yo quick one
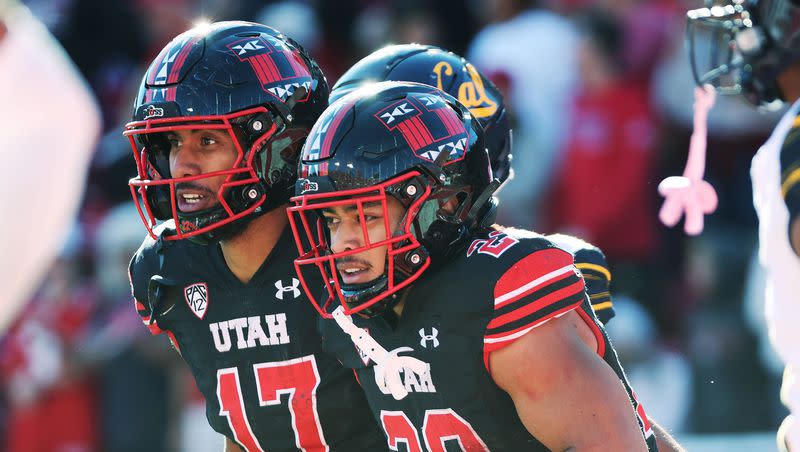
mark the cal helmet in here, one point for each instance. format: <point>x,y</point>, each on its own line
<point>741,47</point>
<point>404,140</point>
<point>246,79</point>
<point>449,72</point>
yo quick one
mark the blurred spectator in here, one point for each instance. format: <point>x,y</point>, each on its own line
<point>132,366</point>
<point>299,20</point>
<point>649,27</point>
<point>106,59</point>
<point>530,53</point>
<point>602,190</point>
<point>46,383</point>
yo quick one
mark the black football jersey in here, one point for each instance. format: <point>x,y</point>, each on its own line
<point>254,349</point>
<point>503,285</point>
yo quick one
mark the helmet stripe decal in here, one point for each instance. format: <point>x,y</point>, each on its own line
<point>175,71</point>
<point>326,144</point>
<point>448,117</point>
<point>409,135</point>
<point>297,64</point>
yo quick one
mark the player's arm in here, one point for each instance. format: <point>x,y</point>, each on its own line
<point>790,182</point>
<point>564,393</point>
<point>592,263</point>
<point>147,294</point>
<point>231,446</point>
<point>665,441</point>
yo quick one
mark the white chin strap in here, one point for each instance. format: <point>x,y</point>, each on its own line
<point>387,364</point>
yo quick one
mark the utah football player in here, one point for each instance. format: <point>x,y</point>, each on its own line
<point>219,120</point>
<point>456,76</point>
<point>500,347</point>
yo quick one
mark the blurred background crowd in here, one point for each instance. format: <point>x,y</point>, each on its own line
<point>601,92</point>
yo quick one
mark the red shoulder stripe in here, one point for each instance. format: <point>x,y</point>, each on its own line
<point>532,272</point>
<point>538,304</point>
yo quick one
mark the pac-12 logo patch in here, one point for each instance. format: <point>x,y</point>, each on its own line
<point>197,298</point>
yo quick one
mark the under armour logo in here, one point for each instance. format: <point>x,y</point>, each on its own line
<point>251,45</point>
<point>429,337</point>
<point>294,288</point>
<point>400,110</point>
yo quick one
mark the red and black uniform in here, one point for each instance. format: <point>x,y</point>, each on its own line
<point>254,349</point>
<point>502,286</point>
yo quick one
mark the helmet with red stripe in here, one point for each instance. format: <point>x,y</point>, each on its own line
<point>388,147</point>
<point>251,83</point>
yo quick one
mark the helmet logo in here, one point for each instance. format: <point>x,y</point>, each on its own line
<point>280,70</point>
<point>251,45</point>
<point>153,112</point>
<point>400,110</point>
<point>429,129</point>
<point>472,94</point>
<point>306,186</point>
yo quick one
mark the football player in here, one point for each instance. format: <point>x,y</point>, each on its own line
<point>752,48</point>
<point>455,75</point>
<point>218,124</point>
<point>501,349</point>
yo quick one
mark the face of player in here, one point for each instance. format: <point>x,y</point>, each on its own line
<point>346,234</point>
<point>195,152</point>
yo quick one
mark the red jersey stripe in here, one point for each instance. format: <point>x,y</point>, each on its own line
<point>496,343</point>
<point>537,305</point>
<point>532,286</point>
<point>534,269</point>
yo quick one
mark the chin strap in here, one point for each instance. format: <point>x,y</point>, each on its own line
<point>689,194</point>
<point>388,364</point>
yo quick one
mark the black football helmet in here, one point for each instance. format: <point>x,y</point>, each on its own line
<point>406,140</point>
<point>741,47</point>
<point>452,74</point>
<point>247,79</point>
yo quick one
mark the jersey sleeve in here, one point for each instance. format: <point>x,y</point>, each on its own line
<point>541,285</point>
<point>139,271</point>
<point>790,169</point>
<point>592,263</point>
